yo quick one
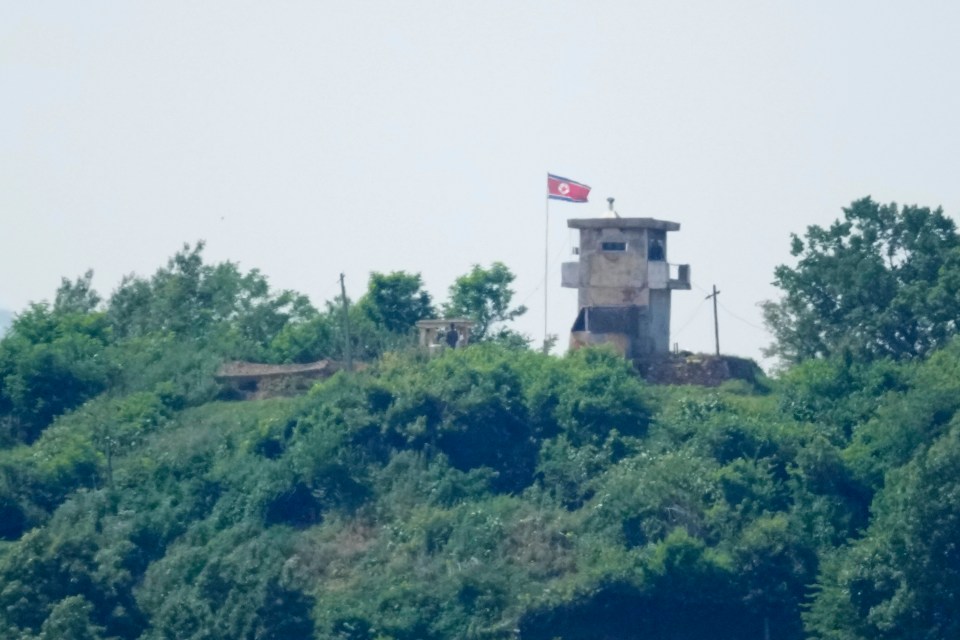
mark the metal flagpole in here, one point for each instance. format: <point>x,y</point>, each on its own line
<point>546,261</point>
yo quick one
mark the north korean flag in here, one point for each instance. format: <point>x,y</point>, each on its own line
<point>563,189</point>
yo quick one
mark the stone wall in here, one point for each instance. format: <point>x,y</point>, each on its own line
<point>699,369</point>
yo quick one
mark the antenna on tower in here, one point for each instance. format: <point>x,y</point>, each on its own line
<point>610,205</point>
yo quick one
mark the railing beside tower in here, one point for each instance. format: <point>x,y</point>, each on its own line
<point>679,276</point>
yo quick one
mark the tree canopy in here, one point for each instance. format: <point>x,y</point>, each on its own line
<point>490,492</point>
<point>396,301</point>
<point>882,282</point>
<point>190,315</point>
<point>484,296</point>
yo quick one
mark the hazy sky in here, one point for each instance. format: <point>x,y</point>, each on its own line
<point>312,138</point>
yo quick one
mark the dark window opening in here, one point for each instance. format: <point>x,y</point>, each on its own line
<point>656,250</point>
<point>613,246</point>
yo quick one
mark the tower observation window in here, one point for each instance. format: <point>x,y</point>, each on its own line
<point>613,246</point>
<point>656,250</point>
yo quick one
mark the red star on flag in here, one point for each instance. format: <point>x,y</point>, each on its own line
<point>564,189</point>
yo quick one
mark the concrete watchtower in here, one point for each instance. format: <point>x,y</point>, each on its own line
<point>624,283</point>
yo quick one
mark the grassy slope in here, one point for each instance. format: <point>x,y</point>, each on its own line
<point>374,507</point>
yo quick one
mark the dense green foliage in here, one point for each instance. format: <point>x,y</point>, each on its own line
<point>489,492</point>
<point>484,295</point>
<point>884,282</point>
<point>396,301</point>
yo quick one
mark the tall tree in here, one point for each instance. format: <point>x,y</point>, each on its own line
<point>883,282</point>
<point>396,300</point>
<point>50,362</point>
<point>211,304</point>
<point>484,296</point>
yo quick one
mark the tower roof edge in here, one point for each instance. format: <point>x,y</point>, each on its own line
<point>623,223</point>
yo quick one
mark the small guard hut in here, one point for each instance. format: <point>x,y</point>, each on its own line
<point>624,283</point>
<point>440,333</point>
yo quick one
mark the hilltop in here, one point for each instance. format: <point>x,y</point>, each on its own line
<point>485,492</point>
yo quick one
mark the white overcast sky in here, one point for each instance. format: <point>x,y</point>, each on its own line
<point>308,139</point>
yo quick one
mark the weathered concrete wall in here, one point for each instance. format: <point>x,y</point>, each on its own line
<point>658,275</point>
<point>660,321</point>
<point>252,380</point>
<point>613,277</point>
<point>630,273</point>
<point>699,369</point>
<point>570,275</point>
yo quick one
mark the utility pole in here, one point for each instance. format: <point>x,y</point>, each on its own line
<point>716,325</point>
<point>346,325</point>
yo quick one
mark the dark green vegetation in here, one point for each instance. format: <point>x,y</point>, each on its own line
<point>492,492</point>
<point>882,283</point>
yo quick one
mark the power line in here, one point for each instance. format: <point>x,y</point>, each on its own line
<point>531,293</point>
<point>543,281</point>
<point>731,313</point>
<point>690,319</point>
<point>699,287</point>
<point>746,322</point>
<point>331,289</point>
